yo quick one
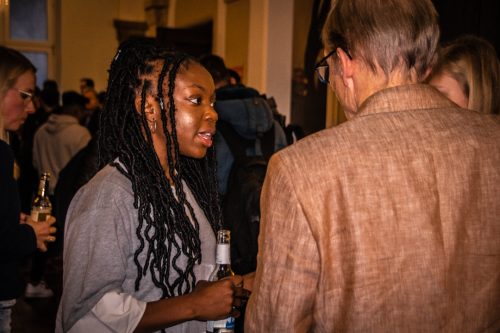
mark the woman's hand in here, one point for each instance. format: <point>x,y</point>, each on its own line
<point>43,231</point>
<point>208,301</point>
<point>216,300</point>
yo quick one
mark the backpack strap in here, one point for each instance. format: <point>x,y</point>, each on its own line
<point>237,144</point>
<point>267,143</point>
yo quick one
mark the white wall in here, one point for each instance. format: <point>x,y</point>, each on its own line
<point>271,50</point>
<point>280,55</point>
<point>131,10</point>
<point>190,12</point>
<point>236,37</point>
<point>88,38</point>
<point>257,44</point>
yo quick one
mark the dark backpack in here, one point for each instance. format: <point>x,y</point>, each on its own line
<point>241,204</point>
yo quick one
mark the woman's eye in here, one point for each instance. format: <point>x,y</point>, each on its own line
<point>195,100</point>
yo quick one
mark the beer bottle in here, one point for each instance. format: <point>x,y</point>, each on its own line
<point>222,270</point>
<point>41,207</point>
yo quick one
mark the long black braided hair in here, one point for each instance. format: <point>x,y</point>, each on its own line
<point>167,227</point>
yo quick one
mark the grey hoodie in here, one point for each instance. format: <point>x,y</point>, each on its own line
<point>56,142</point>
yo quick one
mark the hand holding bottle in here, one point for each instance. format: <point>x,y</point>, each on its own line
<point>215,300</point>
<point>41,207</point>
<point>44,231</point>
<point>40,219</point>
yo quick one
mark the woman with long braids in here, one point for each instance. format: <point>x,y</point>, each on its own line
<point>140,236</point>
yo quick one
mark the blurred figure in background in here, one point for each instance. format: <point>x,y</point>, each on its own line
<point>87,89</point>
<point>93,121</point>
<point>49,98</point>
<point>61,137</point>
<point>468,73</point>
<point>55,143</point>
<point>78,171</point>
<point>19,235</point>
<point>234,77</point>
<point>245,111</point>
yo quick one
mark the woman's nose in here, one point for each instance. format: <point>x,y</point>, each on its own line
<point>211,115</point>
<point>30,107</point>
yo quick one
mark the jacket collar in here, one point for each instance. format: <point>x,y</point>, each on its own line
<point>404,98</point>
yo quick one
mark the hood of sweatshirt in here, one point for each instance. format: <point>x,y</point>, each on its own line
<point>248,113</point>
<point>58,122</point>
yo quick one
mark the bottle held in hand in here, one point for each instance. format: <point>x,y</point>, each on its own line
<point>42,207</point>
<point>222,270</point>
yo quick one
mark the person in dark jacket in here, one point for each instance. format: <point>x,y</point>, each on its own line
<point>242,108</point>
<point>19,235</point>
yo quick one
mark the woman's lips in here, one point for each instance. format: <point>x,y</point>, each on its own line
<point>206,139</point>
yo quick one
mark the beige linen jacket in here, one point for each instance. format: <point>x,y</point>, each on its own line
<point>389,222</point>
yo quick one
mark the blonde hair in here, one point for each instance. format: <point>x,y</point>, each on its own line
<point>12,65</point>
<point>3,134</point>
<point>473,63</point>
<point>389,34</point>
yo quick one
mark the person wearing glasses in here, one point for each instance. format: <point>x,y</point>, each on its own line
<point>19,235</point>
<point>388,222</point>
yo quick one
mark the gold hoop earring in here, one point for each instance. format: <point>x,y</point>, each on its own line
<point>152,125</point>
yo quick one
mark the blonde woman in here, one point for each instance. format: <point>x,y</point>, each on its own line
<point>19,235</point>
<point>468,73</point>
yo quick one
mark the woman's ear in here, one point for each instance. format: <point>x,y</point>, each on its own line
<point>151,110</point>
<point>149,103</point>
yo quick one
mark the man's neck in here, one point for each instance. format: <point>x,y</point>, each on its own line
<point>369,83</point>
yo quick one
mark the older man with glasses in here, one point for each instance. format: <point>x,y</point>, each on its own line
<point>389,222</point>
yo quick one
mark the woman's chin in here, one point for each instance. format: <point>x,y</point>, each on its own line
<point>196,155</point>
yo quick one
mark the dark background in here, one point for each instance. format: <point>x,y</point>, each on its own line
<point>478,17</point>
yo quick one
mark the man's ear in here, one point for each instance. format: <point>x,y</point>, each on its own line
<point>426,76</point>
<point>346,66</point>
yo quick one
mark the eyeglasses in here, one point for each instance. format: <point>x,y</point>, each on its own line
<point>322,69</point>
<point>26,96</point>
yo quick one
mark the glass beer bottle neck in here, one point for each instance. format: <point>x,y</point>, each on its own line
<point>43,186</point>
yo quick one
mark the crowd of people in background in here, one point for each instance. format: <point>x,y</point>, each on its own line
<point>384,223</point>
